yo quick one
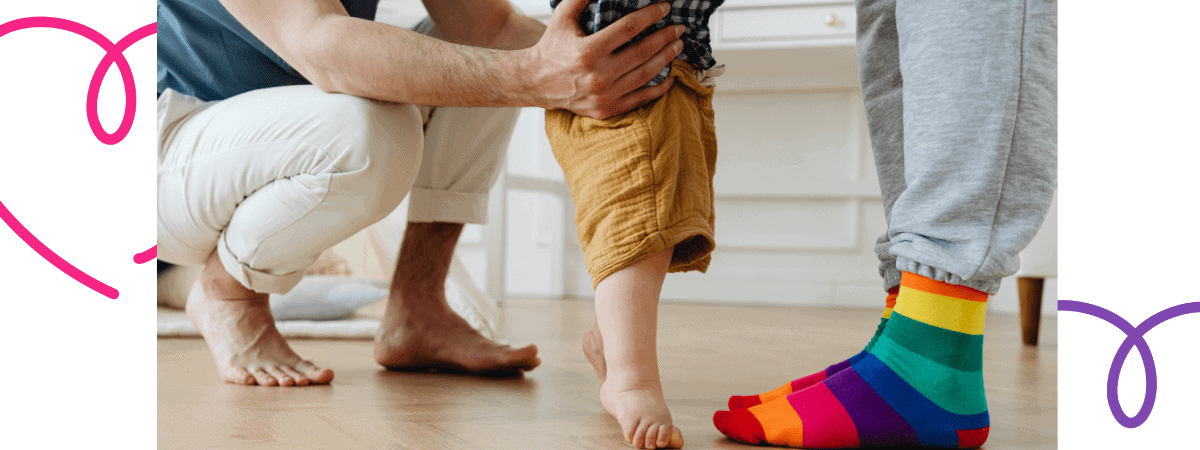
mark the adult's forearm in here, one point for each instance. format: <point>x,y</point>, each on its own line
<point>563,70</point>
<point>383,62</point>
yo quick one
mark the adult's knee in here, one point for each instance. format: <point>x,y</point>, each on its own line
<point>382,150</point>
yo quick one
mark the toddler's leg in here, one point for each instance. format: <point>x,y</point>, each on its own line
<point>627,318</point>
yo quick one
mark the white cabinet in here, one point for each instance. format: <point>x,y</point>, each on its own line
<point>758,26</point>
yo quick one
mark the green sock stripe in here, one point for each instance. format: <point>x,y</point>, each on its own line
<point>956,391</point>
<point>946,347</point>
<point>878,332</point>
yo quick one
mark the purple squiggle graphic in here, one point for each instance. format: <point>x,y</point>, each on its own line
<point>1134,336</point>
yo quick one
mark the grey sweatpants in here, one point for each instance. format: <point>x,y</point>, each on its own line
<point>961,101</point>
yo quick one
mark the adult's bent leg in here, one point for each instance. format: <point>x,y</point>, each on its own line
<point>262,183</point>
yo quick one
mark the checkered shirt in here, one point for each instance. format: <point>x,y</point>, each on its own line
<point>692,13</point>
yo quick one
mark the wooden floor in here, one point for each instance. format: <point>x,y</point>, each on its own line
<point>706,354</point>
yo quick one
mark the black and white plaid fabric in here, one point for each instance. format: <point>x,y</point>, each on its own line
<point>692,13</point>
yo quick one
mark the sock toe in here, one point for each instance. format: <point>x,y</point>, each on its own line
<point>740,425</point>
<point>743,401</point>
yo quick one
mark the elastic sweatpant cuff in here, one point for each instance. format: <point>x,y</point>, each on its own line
<point>990,286</point>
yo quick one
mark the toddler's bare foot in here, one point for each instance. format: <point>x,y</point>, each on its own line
<point>240,331</point>
<point>593,349</point>
<point>643,415</point>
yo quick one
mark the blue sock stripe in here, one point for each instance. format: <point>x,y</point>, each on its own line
<point>934,426</point>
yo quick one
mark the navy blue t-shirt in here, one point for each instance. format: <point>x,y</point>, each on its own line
<point>204,52</point>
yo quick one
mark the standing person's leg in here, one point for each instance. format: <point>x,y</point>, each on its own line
<point>882,85</point>
<point>254,188</point>
<point>980,124</point>
<point>879,72</point>
<point>979,165</point>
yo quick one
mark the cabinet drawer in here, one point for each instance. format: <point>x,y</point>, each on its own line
<point>787,23</point>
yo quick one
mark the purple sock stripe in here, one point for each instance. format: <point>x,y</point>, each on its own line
<point>877,423</point>
<point>831,370</point>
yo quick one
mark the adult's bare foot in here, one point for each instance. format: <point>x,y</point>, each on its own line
<point>240,331</point>
<point>442,340</point>
<point>593,349</point>
<point>419,330</point>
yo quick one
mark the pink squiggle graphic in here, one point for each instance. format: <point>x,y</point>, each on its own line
<point>114,53</point>
<point>53,258</point>
<point>146,256</point>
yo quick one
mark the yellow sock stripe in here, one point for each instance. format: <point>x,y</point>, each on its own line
<point>951,313</point>
<point>890,302</point>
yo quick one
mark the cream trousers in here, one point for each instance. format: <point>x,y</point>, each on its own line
<point>273,177</point>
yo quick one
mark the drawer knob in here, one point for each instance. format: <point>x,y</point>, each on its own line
<point>831,20</point>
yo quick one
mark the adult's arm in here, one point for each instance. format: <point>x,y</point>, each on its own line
<point>563,69</point>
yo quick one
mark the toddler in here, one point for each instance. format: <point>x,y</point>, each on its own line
<point>642,185</point>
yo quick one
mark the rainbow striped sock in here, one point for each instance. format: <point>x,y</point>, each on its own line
<point>746,401</point>
<point>921,383</point>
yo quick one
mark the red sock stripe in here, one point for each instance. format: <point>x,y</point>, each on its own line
<point>972,438</point>
<point>740,425</point>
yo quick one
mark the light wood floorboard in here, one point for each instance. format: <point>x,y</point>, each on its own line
<point>706,353</point>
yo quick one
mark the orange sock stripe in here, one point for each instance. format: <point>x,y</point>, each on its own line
<point>914,281</point>
<point>778,392</point>
<point>890,302</point>
<point>780,423</point>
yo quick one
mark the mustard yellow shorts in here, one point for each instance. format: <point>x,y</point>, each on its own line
<point>642,181</point>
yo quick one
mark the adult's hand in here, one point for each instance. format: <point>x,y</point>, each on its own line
<point>587,75</point>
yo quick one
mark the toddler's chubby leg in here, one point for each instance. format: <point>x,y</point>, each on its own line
<point>642,186</point>
<point>626,357</point>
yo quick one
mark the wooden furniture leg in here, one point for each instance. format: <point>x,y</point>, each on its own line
<point>1029,289</point>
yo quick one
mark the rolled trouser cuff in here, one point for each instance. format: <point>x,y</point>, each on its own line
<point>428,205</point>
<point>255,280</point>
